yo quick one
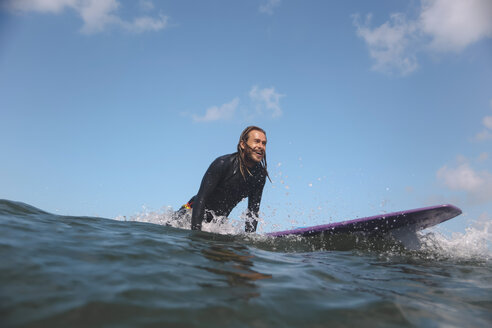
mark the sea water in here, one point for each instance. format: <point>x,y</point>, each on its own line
<point>61,271</point>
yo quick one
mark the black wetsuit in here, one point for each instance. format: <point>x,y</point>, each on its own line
<point>223,187</point>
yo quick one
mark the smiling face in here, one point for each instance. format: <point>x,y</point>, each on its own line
<point>254,147</point>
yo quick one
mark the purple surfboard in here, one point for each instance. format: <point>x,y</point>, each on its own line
<point>411,220</point>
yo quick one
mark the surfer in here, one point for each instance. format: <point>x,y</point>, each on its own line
<point>231,178</point>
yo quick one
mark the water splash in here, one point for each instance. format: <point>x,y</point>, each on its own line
<point>474,244</point>
<point>168,217</point>
<point>165,216</point>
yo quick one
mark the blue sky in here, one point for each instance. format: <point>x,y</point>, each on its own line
<point>369,106</point>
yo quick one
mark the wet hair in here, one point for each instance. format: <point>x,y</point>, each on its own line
<point>244,138</point>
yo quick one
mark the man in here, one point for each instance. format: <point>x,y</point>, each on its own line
<point>231,178</point>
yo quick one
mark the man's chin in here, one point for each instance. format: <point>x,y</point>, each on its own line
<point>257,159</point>
<point>253,160</point>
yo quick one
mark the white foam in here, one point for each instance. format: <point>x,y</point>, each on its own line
<point>474,244</point>
<point>163,217</point>
<point>166,216</point>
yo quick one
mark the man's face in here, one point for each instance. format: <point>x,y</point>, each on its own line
<point>255,147</point>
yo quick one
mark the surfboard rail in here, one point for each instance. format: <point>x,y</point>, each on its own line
<point>415,219</point>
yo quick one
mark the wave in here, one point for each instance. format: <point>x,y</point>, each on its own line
<point>474,244</point>
<point>75,271</point>
<point>9,207</point>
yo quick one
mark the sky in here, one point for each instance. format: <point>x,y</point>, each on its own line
<point>113,108</point>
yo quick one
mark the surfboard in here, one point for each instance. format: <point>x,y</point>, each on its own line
<point>409,221</point>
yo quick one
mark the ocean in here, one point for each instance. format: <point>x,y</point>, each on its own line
<point>66,271</point>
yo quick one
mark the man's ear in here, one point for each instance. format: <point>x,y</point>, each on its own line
<point>241,144</point>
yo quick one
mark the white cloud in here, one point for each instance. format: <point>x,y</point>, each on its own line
<point>97,15</point>
<point>486,134</point>
<point>44,6</point>
<point>483,157</point>
<point>269,6</point>
<point>145,23</point>
<point>477,184</point>
<point>487,121</point>
<point>455,24</point>
<point>224,112</point>
<point>146,5</point>
<point>389,43</point>
<point>442,25</point>
<point>264,102</point>
<point>461,178</point>
<point>267,98</point>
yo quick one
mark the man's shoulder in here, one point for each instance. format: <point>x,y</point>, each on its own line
<point>226,159</point>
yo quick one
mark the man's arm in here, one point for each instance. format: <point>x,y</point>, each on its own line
<point>209,182</point>
<point>254,201</point>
